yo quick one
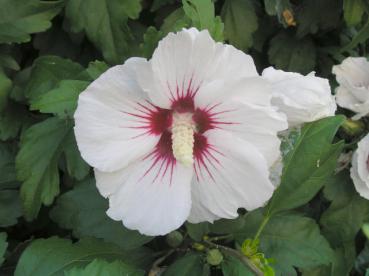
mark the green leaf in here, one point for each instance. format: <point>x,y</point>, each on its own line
<point>5,88</point>
<point>47,72</point>
<point>37,163</point>
<point>233,267</point>
<point>290,239</point>
<point>341,266</point>
<point>100,267</point>
<point>10,205</point>
<point>3,246</point>
<point>290,54</point>
<point>313,15</point>
<point>12,120</point>
<point>8,62</point>
<point>197,231</point>
<point>7,167</point>
<point>73,211</point>
<point>240,22</point>
<point>175,22</point>
<point>202,15</point>
<point>24,17</point>
<point>96,68</point>
<point>159,3</point>
<point>353,11</point>
<point>347,213</point>
<point>61,101</point>
<point>151,39</point>
<point>76,166</point>
<point>308,165</point>
<point>54,255</point>
<point>107,29</point>
<point>190,264</point>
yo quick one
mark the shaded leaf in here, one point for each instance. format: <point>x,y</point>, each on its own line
<point>290,239</point>
<point>76,166</point>
<point>234,267</point>
<point>3,246</point>
<point>240,22</point>
<point>5,88</point>
<point>37,163</point>
<point>10,205</point>
<point>73,211</point>
<point>12,120</point>
<point>347,212</point>
<point>24,17</point>
<point>290,54</point>
<point>313,15</point>
<point>100,267</point>
<point>190,264</point>
<point>107,29</point>
<point>47,72</point>
<point>38,260</point>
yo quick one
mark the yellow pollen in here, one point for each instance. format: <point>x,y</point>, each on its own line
<point>183,138</point>
<point>288,17</point>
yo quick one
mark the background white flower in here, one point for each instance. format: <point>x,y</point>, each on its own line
<point>360,167</point>
<point>189,134</point>
<point>353,91</point>
<point>302,98</point>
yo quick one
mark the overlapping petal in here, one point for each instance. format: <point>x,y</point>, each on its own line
<point>148,196</point>
<point>353,91</point>
<point>188,60</point>
<point>109,137</point>
<point>359,171</point>
<point>233,174</point>
<point>302,98</point>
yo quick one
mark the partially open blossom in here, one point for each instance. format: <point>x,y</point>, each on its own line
<point>302,98</point>
<point>353,91</point>
<point>187,135</point>
<point>360,167</point>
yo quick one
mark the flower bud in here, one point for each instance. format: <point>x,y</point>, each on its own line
<point>174,239</point>
<point>352,127</point>
<point>214,257</point>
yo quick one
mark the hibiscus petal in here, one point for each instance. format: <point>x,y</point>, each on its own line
<point>110,127</point>
<point>230,175</point>
<point>185,61</point>
<point>253,90</point>
<point>361,186</point>
<point>151,197</point>
<point>256,124</point>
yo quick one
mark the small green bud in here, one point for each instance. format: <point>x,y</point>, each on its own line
<point>352,127</point>
<point>250,247</point>
<point>365,229</point>
<point>214,257</point>
<point>174,239</point>
<point>198,246</point>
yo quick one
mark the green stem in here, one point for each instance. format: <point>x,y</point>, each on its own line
<point>262,225</point>
<point>225,237</point>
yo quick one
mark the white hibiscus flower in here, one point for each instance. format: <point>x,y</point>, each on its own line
<point>353,91</point>
<point>188,135</point>
<point>302,98</point>
<point>360,167</point>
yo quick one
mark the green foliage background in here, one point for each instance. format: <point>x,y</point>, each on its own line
<point>52,219</point>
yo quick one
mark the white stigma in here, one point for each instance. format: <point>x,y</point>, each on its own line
<point>183,138</point>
